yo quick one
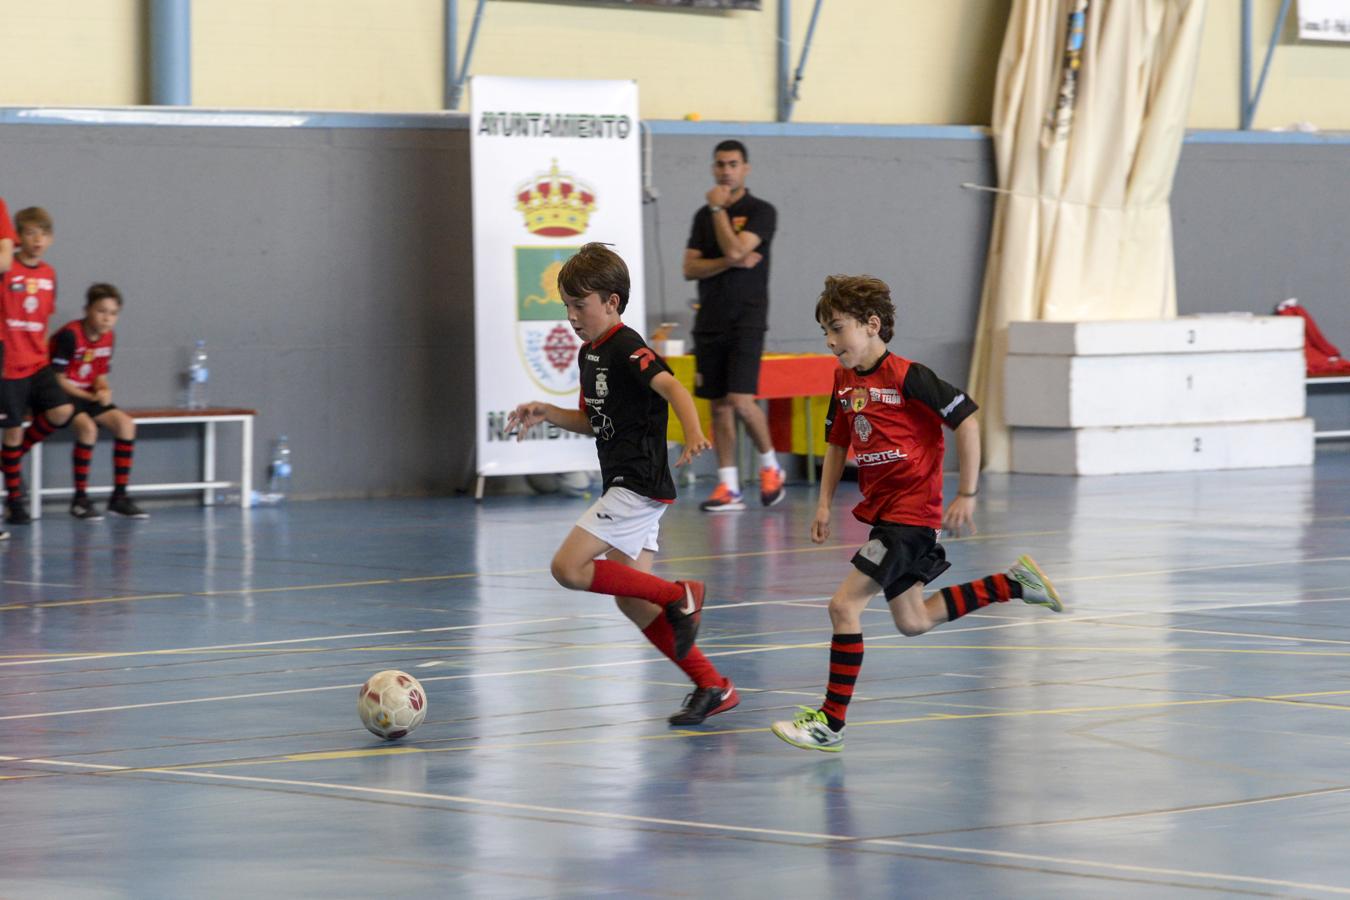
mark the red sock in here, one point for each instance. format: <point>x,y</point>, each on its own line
<point>625,581</point>
<point>697,666</point>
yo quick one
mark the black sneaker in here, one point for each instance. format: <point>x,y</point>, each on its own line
<point>16,513</point>
<point>83,508</point>
<point>684,616</point>
<point>705,702</point>
<point>125,506</point>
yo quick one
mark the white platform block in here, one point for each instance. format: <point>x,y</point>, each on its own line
<point>1167,448</point>
<point>1185,334</point>
<point>1092,391</point>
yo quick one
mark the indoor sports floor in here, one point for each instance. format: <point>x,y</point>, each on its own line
<point>177,705</point>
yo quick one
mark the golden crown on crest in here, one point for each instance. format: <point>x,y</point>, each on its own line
<point>555,204</point>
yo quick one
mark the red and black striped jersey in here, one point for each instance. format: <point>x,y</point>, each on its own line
<point>27,302</point>
<point>80,358</point>
<point>892,416</point>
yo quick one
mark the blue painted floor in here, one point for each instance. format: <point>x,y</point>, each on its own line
<point>177,705</point>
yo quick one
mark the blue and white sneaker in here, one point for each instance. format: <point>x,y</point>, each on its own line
<point>810,731</point>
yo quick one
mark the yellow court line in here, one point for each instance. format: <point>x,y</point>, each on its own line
<point>44,604</point>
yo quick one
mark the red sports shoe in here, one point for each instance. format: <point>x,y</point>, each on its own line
<point>771,488</point>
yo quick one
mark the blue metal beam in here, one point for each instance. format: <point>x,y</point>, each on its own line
<point>789,92</point>
<point>171,52</point>
<point>455,86</point>
<point>1250,99</point>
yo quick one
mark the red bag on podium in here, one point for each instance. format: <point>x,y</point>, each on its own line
<point>1323,357</point>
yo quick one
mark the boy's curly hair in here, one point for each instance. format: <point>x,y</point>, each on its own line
<point>595,268</point>
<point>859,297</point>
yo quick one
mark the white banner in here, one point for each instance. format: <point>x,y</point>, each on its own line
<point>1324,20</point>
<point>556,164</point>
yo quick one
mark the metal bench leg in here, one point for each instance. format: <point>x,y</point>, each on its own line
<point>246,462</point>
<point>209,463</point>
<point>36,471</point>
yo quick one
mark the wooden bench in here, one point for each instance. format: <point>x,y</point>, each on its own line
<point>1316,381</point>
<point>208,418</point>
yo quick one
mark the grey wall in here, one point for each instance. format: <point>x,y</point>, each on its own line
<point>330,269</point>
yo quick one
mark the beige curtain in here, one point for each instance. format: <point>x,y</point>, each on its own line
<point>1085,151</point>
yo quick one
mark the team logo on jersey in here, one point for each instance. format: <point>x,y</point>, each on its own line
<point>889,396</point>
<point>858,399</point>
<point>30,304</point>
<point>862,428</point>
<point>548,345</point>
<point>602,425</point>
<point>602,384</point>
<point>85,371</point>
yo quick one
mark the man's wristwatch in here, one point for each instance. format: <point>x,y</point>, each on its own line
<point>713,208</point>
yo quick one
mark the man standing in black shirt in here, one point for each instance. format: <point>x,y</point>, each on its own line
<point>728,255</point>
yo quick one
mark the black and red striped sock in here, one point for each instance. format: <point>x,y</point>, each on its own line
<point>968,597</point>
<point>11,459</point>
<point>37,431</point>
<point>846,656</point>
<point>122,453</point>
<point>80,458</point>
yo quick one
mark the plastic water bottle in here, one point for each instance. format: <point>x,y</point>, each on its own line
<point>279,471</point>
<point>197,374</point>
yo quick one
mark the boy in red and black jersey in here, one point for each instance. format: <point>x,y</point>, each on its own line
<point>890,412</point>
<point>81,354</point>
<point>625,393</point>
<point>8,240</point>
<point>27,301</point>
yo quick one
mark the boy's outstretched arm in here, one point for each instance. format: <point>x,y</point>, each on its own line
<point>670,390</point>
<point>831,470</point>
<point>527,415</point>
<point>960,514</point>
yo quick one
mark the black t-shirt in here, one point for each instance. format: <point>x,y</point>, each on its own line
<point>627,416</point>
<point>736,298</point>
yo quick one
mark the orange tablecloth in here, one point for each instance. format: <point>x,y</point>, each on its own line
<point>797,386</point>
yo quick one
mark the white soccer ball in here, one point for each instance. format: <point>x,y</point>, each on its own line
<point>391,704</point>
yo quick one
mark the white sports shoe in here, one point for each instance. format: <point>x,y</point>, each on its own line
<point>1036,587</point>
<point>810,731</point>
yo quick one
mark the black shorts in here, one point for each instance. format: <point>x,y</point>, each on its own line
<point>91,408</point>
<point>897,557</point>
<point>38,392</point>
<point>727,363</point>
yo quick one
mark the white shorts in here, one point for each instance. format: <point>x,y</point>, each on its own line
<point>627,521</point>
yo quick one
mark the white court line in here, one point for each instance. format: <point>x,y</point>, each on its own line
<point>711,826</point>
<point>305,640</point>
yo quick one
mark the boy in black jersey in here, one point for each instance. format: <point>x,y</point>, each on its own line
<point>625,392</point>
<point>891,412</point>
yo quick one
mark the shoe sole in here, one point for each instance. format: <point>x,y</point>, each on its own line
<point>87,518</point>
<point>725,507</point>
<point>1055,603</point>
<point>832,748</point>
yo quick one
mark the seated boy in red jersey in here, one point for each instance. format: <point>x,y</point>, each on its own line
<point>28,299</point>
<point>891,411</point>
<point>626,393</point>
<point>81,354</point>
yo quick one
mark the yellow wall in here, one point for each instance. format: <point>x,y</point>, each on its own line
<point>873,61</point>
<point>73,53</point>
<point>1307,83</point>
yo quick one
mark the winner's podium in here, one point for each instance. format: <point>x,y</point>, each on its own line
<point>1196,392</point>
